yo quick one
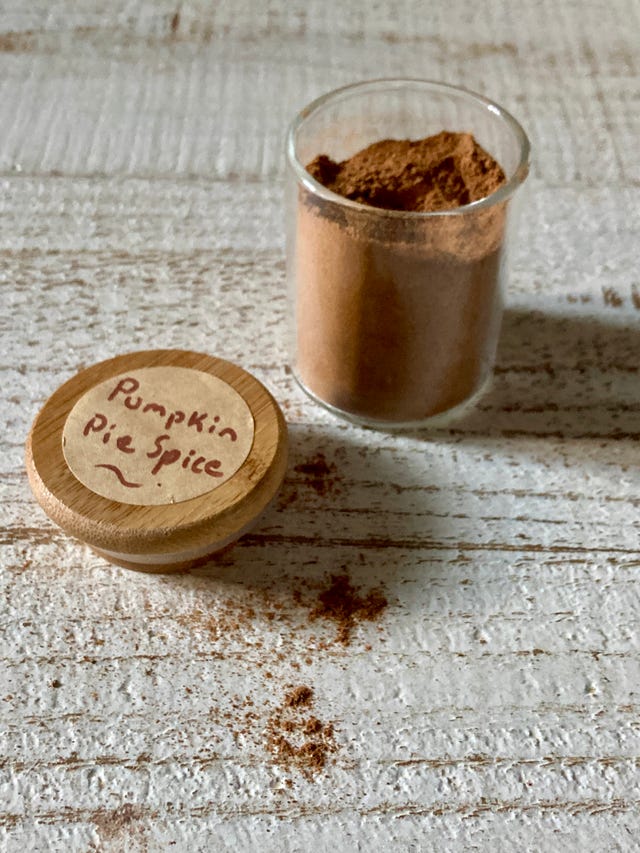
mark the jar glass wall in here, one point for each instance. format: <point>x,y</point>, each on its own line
<point>395,315</point>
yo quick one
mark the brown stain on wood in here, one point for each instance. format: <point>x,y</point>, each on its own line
<point>444,46</point>
<point>319,474</point>
<point>258,659</point>
<point>52,42</point>
<point>309,726</point>
<point>263,540</point>
<point>17,42</point>
<point>199,32</point>
<point>488,805</point>
<point>480,50</point>
<point>298,809</point>
<point>113,824</point>
<point>478,760</point>
<point>374,543</point>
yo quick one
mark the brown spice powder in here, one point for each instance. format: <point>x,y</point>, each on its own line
<point>297,697</point>
<point>343,605</point>
<point>437,173</point>
<point>296,740</point>
<point>337,601</point>
<point>319,474</point>
<point>294,736</point>
<point>397,318</point>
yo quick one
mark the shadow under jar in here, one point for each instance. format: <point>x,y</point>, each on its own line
<point>396,314</point>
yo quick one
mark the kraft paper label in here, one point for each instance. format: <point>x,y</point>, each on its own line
<point>157,435</point>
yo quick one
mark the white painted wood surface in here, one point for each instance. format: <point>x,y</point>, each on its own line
<point>497,707</point>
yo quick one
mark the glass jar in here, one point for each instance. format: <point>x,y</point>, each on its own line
<point>396,314</point>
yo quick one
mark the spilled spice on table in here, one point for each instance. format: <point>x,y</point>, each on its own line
<point>292,734</point>
<point>297,738</point>
<point>342,604</point>
<point>319,474</point>
<point>299,696</point>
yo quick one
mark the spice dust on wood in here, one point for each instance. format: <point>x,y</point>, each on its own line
<point>341,603</point>
<point>297,738</point>
<point>293,735</point>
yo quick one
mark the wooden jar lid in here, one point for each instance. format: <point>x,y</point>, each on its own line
<point>158,459</point>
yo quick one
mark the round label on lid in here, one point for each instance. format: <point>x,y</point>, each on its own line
<point>158,435</point>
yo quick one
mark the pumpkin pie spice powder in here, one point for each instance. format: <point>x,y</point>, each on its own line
<point>294,736</point>
<point>397,317</point>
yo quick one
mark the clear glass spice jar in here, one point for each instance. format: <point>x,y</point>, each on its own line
<point>395,315</point>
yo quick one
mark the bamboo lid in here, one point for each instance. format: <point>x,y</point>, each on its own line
<point>158,459</point>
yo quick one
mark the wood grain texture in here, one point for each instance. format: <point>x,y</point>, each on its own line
<point>495,705</point>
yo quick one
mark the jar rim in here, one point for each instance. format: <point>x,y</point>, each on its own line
<point>504,192</point>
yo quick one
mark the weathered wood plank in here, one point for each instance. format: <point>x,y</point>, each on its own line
<point>135,92</point>
<point>496,701</point>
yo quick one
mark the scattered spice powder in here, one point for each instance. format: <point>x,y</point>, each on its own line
<point>298,696</point>
<point>228,616</point>
<point>343,605</point>
<point>296,740</point>
<point>339,602</point>
<point>319,474</point>
<point>313,726</point>
<point>294,735</point>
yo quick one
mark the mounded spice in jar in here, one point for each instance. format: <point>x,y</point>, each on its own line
<point>437,173</point>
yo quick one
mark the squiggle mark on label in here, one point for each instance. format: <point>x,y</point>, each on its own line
<point>119,475</point>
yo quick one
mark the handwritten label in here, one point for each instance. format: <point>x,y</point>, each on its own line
<point>157,435</point>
